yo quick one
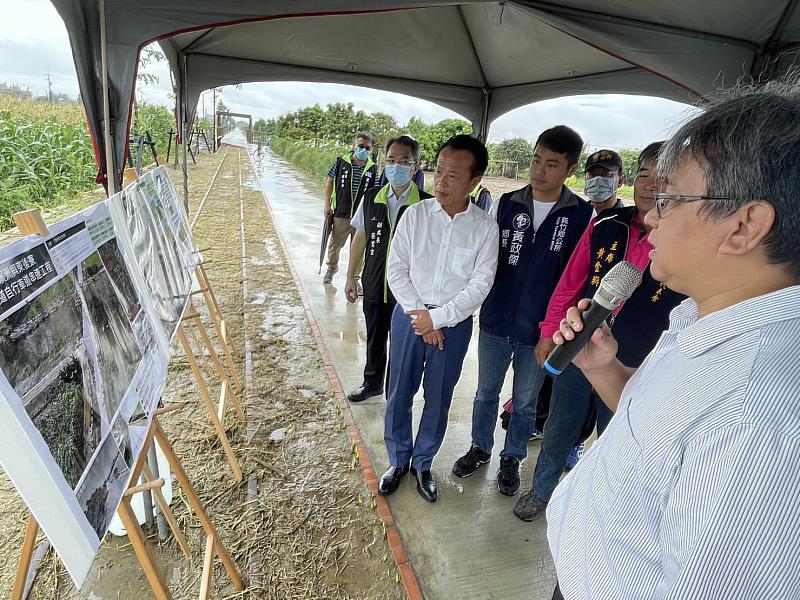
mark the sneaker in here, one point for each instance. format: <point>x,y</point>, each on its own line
<point>469,463</point>
<point>508,476</point>
<point>529,506</point>
<point>574,456</point>
<point>328,279</point>
<point>537,434</point>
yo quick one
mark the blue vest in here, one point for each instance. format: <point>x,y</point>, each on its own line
<point>530,263</point>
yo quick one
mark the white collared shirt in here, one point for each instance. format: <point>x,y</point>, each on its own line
<point>449,263</point>
<point>693,491</point>
<point>357,222</point>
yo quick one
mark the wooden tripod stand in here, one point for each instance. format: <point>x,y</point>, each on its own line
<point>214,546</point>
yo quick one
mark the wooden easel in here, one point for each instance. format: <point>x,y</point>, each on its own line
<point>196,342</point>
<point>218,321</point>
<point>214,546</point>
<point>30,222</point>
<point>191,326</point>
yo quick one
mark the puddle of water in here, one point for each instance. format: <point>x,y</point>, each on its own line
<point>260,298</point>
<point>273,252</point>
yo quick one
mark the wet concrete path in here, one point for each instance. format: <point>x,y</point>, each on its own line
<point>469,545</point>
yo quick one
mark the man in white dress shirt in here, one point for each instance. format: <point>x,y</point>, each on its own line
<point>693,491</point>
<point>441,267</point>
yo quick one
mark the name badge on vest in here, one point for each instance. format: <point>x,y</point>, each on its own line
<point>520,222</point>
<point>559,233</point>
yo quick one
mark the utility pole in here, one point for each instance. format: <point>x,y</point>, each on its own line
<point>49,89</point>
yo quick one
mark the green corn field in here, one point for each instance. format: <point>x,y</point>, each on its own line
<point>46,155</point>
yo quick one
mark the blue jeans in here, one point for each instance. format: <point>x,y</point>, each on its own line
<point>495,354</point>
<point>570,406</point>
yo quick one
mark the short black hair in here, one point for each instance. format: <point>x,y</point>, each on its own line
<point>472,145</point>
<point>366,135</point>
<point>563,140</point>
<point>649,153</point>
<point>405,140</point>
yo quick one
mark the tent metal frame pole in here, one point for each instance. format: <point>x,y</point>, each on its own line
<point>184,137</point>
<point>111,178</point>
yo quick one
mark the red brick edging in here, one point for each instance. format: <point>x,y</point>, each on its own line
<point>393,537</point>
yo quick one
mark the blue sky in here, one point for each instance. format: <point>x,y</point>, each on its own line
<point>34,42</point>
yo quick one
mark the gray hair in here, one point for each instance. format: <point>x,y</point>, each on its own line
<point>749,145</point>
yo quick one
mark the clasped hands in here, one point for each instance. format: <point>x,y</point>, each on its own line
<point>422,324</point>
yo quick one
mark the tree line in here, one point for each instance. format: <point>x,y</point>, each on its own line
<point>335,126</point>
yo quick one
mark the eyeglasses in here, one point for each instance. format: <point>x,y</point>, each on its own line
<point>662,200</point>
<point>402,163</point>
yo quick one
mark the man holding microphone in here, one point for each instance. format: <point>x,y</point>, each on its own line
<point>681,498</point>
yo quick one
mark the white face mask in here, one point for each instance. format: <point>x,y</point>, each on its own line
<point>600,189</point>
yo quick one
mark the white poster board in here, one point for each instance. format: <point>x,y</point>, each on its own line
<point>86,316</point>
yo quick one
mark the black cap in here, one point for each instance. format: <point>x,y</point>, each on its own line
<point>604,158</point>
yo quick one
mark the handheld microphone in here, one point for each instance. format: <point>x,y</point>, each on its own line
<point>616,287</point>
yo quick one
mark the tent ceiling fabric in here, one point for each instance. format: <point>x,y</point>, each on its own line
<point>480,59</point>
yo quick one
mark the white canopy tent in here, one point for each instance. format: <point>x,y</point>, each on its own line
<point>480,59</point>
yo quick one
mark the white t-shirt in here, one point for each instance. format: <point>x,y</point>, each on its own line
<point>540,212</point>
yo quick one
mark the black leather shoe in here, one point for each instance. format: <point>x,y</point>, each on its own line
<point>362,393</point>
<point>390,480</point>
<point>426,485</point>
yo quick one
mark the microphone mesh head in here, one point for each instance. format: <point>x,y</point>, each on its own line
<point>618,285</point>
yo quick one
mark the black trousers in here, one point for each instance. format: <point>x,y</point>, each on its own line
<point>557,594</point>
<point>379,321</point>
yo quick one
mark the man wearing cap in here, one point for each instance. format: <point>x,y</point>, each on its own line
<point>616,234</point>
<point>602,177</point>
<point>348,178</point>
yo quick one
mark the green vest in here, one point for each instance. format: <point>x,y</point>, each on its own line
<point>379,231</point>
<point>343,202</point>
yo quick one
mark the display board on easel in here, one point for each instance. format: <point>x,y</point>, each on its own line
<point>87,314</point>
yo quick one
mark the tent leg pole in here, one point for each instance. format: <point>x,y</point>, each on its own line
<point>110,169</point>
<point>185,139</point>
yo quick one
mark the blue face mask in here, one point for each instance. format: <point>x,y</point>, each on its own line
<point>600,189</point>
<point>361,153</point>
<point>398,175</point>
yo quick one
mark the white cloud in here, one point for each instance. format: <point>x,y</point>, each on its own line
<point>34,42</point>
<point>608,120</point>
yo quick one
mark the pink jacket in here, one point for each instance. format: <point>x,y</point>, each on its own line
<point>573,280</point>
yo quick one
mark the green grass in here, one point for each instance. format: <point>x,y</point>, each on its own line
<point>314,161</point>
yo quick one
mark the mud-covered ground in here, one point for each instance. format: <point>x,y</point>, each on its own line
<point>302,525</point>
